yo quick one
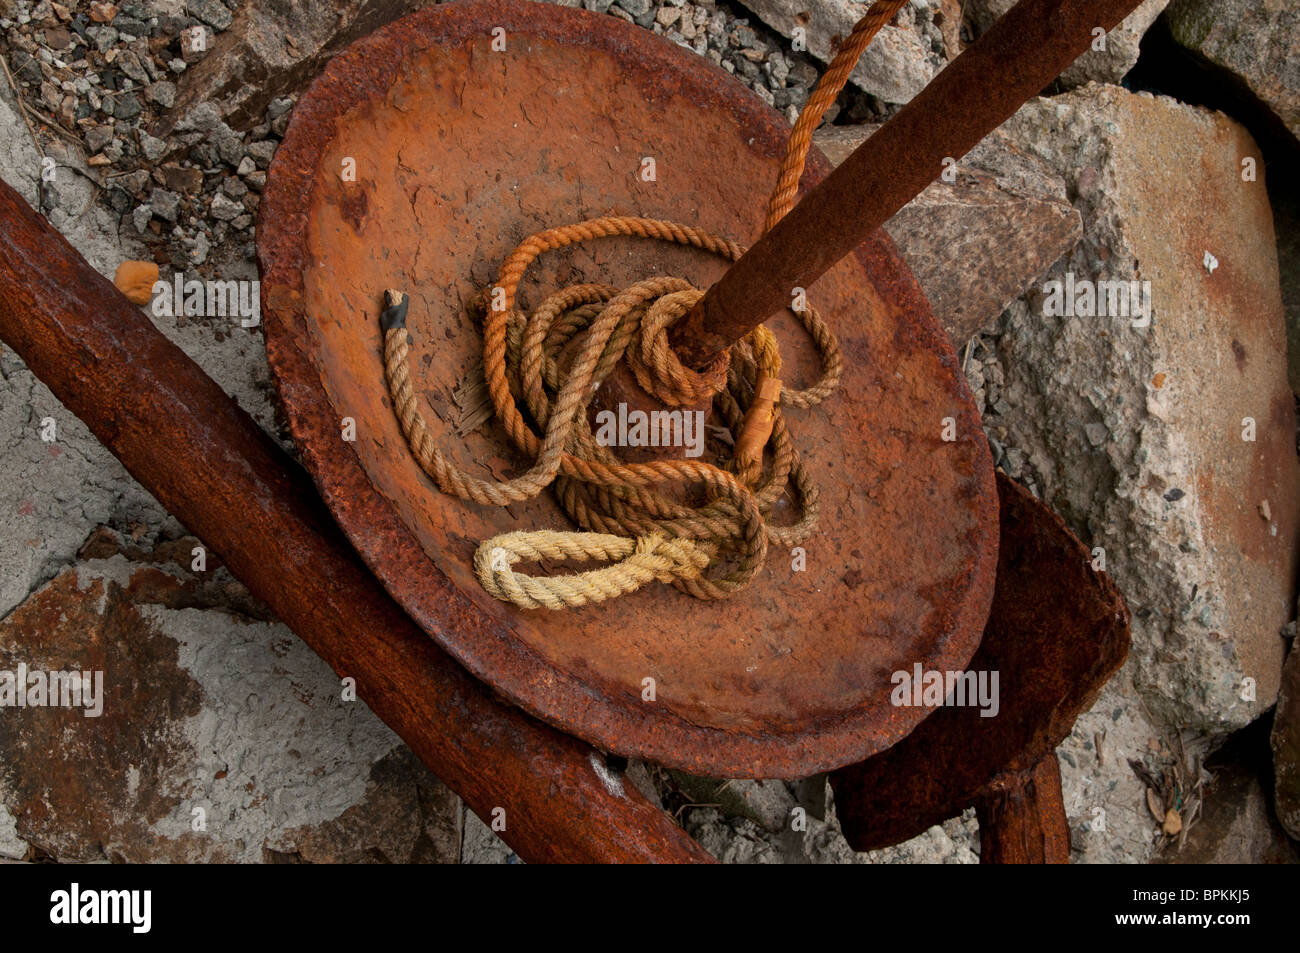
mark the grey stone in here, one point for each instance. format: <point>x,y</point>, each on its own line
<point>979,242</point>
<point>258,44</point>
<point>163,93</point>
<point>224,209</point>
<point>98,136</point>
<point>165,204</point>
<point>1255,41</point>
<point>153,148</point>
<point>638,8</point>
<point>261,152</point>
<point>895,67</point>
<point>211,12</point>
<point>1209,579</point>
<point>232,726</point>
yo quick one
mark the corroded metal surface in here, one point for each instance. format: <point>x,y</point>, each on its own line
<point>210,465</point>
<point>1024,51</point>
<point>1057,631</point>
<point>460,151</point>
<point>1022,817</point>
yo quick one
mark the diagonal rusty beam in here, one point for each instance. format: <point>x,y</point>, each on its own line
<point>978,91</point>
<point>210,465</point>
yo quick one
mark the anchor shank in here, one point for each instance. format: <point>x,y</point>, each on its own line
<point>1024,51</point>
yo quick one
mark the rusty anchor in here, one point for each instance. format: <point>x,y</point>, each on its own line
<point>206,461</point>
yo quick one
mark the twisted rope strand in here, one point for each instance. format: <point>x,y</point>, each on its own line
<point>553,359</point>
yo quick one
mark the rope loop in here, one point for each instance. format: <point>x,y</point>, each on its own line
<point>542,368</point>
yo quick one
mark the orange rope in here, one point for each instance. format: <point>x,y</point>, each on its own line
<point>643,533</point>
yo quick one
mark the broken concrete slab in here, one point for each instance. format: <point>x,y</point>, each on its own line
<point>1254,44</point>
<point>979,241</point>
<point>1111,55</point>
<point>219,737</point>
<point>1165,433</point>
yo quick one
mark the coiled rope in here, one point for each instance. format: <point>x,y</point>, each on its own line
<point>553,359</point>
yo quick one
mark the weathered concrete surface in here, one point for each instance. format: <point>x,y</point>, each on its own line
<point>221,738</point>
<point>1135,434</point>
<point>982,240</point>
<point>1256,42</point>
<point>1106,62</point>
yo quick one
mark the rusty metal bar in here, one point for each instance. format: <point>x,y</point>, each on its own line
<point>1024,51</point>
<point>210,465</point>
<point>1022,820</point>
<point>1057,631</point>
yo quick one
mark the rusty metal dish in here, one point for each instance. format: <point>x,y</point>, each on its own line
<point>460,151</point>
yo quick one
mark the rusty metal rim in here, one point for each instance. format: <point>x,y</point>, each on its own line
<point>391,550</point>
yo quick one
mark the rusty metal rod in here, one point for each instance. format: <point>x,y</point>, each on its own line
<point>1024,51</point>
<point>1022,820</point>
<point>210,465</point>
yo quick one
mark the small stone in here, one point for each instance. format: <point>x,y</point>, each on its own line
<point>636,8</point>
<point>103,12</point>
<point>280,106</point>
<point>262,152</point>
<point>163,93</point>
<point>1096,434</point>
<point>183,178</point>
<point>225,209</point>
<point>744,37</point>
<point>1174,495</point>
<point>152,147</point>
<point>135,182</point>
<point>142,215</point>
<point>256,180</point>
<point>246,165</point>
<point>135,279</point>
<point>211,12</point>
<point>667,16</point>
<point>165,204</point>
<point>127,106</point>
<point>201,118</point>
<point>98,136</point>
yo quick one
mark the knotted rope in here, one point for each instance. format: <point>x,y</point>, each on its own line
<point>552,360</point>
